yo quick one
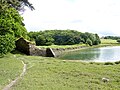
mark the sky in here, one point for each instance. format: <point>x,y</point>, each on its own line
<point>95,16</point>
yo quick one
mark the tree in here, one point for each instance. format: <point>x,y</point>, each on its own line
<point>11,22</point>
<point>118,40</point>
<point>7,43</point>
<point>66,37</point>
<point>40,40</point>
<point>17,4</point>
<point>89,42</point>
<point>97,40</point>
<point>11,27</point>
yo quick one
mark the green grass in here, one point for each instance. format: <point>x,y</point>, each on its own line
<point>10,68</point>
<point>108,41</point>
<point>54,74</point>
<point>62,46</point>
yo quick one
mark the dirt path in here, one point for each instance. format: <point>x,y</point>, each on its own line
<point>8,87</point>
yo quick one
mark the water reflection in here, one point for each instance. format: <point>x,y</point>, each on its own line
<point>103,54</point>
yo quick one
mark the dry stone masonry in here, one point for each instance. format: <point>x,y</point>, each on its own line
<point>28,48</point>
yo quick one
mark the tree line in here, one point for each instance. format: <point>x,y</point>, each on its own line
<point>63,37</point>
<point>112,37</point>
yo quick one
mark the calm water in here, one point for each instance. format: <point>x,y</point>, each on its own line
<point>103,54</point>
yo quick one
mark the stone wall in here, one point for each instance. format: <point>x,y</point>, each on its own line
<point>59,51</point>
<point>26,47</point>
<point>22,46</point>
<point>34,51</point>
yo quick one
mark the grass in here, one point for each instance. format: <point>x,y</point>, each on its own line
<point>62,46</point>
<point>10,68</point>
<point>108,41</point>
<point>54,74</point>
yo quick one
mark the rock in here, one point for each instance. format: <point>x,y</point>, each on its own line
<point>105,80</point>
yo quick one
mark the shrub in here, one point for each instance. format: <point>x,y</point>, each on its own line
<point>118,40</point>
<point>89,42</point>
<point>7,44</point>
<point>109,63</point>
<point>117,62</point>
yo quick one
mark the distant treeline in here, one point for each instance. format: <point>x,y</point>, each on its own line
<point>112,37</point>
<point>63,37</point>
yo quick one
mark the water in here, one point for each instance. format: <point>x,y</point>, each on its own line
<point>103,54</point>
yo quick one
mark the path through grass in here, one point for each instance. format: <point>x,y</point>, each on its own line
<point>54,74</point>
<point>10,68</point>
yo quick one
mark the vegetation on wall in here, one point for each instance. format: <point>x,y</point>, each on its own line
<point>63,37</point>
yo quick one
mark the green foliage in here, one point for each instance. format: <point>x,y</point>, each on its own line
<point>89,42</point>
<point>7,43</point>
<point>97,40</point>
<point>111,37</point>
<point>117,62</point>
<point>108,63</point>
<point>64,37</point>
<point>11,22</point>
<point>44,40</point>
<point>118,40</point>
<point>40,40</point>
<point>16,4</point>
<point>11,27</point>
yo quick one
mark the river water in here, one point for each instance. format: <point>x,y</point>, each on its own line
<point>103,54</point>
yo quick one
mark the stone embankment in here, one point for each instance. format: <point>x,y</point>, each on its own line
<point>59,51</point>
<point>26,47</point>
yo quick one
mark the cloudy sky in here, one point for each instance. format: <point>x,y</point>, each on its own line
<point>95,16</point>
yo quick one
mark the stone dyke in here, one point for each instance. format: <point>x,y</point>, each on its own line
<point>59,51</point>
<point>28,48</point>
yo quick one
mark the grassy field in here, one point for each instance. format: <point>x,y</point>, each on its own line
<point>54,74</point>
<point>10,68</point>
<point>108,41</point>
<point>62,46</point>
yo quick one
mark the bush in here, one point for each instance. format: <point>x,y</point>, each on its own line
<point>118,40</point>
<point>117,62</point>
<point>11,22</point>
<point>109,63</point>
<point>89,42</point>
<point>40,40</point>
<point>7,44</point>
